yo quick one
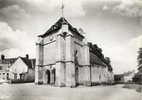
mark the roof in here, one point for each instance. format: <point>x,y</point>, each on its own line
<point>8,61</point>
<point>97,56</point>
<point>95,60</point>
<point>57,26</point>
<point>140,67</point>
<point>29,62</point>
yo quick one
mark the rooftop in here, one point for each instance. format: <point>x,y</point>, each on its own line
<point>58,25</point>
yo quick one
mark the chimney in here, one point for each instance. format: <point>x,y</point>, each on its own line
<point>27,56</point>
<point>2,57</point>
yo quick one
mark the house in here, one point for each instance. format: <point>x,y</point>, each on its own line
<point>128,77</point>
<point>5,64</point>
<point>22,70</point>
<point>65,58</point>
<point>119,78</point>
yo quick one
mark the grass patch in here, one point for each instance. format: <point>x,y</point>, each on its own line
<point>136,87</point>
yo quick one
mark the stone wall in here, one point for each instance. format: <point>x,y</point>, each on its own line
<point>49,53</point>
<point>84,76</point>
<point>101,74</point>
<point>78,46</point>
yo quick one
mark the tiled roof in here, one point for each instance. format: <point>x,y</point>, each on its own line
<point>95,60</point>
<point>8,61</point>
<point>140,67</point>
<point>97,56</point>
<point>29,62</point>
<point>57,26</point>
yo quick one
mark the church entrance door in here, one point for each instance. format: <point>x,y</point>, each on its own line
<point>53,76</point>
<point>48,76</point>
<point>76,75</point>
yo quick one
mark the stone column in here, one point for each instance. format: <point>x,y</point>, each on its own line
<point>87,69</point>
<point>70,66</point>
<point>44,77</point>
<point>51,77</point>
<point>86,55</point>
<point>39,58</point>
<point>60,67</point>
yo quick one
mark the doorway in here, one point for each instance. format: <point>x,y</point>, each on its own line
<point>54,75</point>
<point>48,76</point>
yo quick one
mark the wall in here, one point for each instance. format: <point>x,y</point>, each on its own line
<point>18,67</point>
<point>84,75</point>
<point>101,74</point>
<point>78,45</point>
<point>30,76</point>
<point>50,53</point>
<point>4,71</point>
<point>4,75</point>
<point>49,50</point>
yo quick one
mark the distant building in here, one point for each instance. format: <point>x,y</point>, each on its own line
<point>21,68</point>
<point>5,64</point>
<point>119,78</point>
<point>126,77</point>
<point>65,58</point>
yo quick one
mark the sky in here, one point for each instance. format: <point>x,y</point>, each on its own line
<point>114,25</point>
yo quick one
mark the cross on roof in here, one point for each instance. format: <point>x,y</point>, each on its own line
<point>62,8</point>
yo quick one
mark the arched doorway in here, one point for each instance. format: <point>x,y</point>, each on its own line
<point>48,76</point>
<point>53,76</point>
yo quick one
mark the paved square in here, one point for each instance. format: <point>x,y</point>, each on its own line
<point>44,92</point>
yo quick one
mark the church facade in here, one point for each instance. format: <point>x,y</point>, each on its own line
<point>65,58</point>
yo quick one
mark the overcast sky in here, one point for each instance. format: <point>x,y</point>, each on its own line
<point>115,25</point>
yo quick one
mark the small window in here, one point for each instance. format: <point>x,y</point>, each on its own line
<point>3,73</point>
<point>15,76</point>
<point>0,67</point>
<point>8,76</point>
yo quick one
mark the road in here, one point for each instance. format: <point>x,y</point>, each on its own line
<point>45,92</point>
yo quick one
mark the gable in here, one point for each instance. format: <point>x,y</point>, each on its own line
<point>19,66</point>
<point>28,62</point>
<point>58,25</point>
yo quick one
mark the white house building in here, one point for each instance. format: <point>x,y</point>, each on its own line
<point>22,69</point>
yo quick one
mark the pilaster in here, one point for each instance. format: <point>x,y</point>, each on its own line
<point>70,66</point>
<point>87,67</point>
<point>60,67</point>
<point>39,58</point>
<point>86,55</point>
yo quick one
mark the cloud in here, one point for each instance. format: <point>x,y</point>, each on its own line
<point>136,42</point>
<point>123,57</point>
<point>13,12</point>
<point>15,43</point>
<point>36,15</point>
<point>129,8</point>
<point>3,43</point>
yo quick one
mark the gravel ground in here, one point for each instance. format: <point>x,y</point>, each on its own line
<point>45,92</point>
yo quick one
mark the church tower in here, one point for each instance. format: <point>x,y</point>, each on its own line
<point>59,52</point>
<point>65,58</point>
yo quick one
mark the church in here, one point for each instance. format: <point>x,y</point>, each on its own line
<point>65,58</point>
